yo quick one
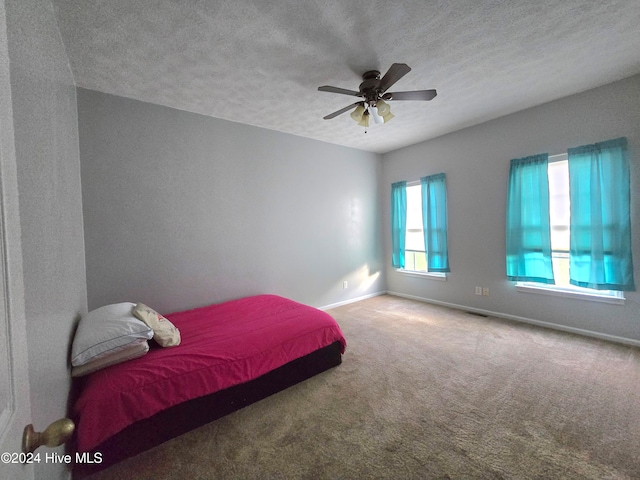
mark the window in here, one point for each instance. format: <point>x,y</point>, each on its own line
<point>419,226</point>
<point>560,226</point>
<point>415,255</point>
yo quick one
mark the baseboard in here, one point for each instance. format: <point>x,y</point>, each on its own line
<point>353,300</point>
<point>539,323</point>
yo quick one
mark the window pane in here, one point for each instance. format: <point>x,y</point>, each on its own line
<point>421,262</point>
<point>559,192</point>
<point>409,261</point>
<point>561,269</point>
<point>415,236</point>
<point>559,213</point>
<point>414,208</point>
<point>560,238</point>
<point>414,240</point>
<point>415,257</point>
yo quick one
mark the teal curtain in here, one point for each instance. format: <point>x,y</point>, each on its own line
<point>398,223</point>
<point>434,221</point>
<point>599,191</point>
<point>528,230</point>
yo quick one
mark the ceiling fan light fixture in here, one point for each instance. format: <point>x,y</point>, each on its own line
<point>388,117</point>
<point>357,113</point>
<point>365,120</point>
<point>377,119</point>
<point>383,107</point>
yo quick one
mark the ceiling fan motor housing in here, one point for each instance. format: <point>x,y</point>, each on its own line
<point>369,86</point>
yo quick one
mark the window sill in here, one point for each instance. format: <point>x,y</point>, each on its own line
<point>567,293</point>
<point>442,277</point>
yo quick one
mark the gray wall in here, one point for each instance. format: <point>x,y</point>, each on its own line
<point>47,156</point>
<point>476,161</point>
<point>183,210</point>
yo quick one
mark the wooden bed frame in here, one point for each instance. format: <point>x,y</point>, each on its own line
<point>180,419</point>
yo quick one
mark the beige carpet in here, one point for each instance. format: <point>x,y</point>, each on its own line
<point>429,392</point>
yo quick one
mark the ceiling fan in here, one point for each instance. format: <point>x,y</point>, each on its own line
<point>373,90</point>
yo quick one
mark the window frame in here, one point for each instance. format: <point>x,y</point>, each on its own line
<point>442,276</point>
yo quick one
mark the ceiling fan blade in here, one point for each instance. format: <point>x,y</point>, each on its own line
<point>395,73</point>
<point>414,95</point>
<point>341,111</point>
<point>344,91</point>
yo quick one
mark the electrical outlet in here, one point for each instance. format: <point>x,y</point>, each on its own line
<point>485,291</point>
<point>345,285</point>
<point>478,290</point>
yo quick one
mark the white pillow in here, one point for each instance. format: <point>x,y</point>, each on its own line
<point>107,330</point>
<point>136,349</point>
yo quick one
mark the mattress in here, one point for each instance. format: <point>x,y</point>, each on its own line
<point>222,345</point>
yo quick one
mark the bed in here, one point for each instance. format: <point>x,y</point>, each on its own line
<point>231,355</point>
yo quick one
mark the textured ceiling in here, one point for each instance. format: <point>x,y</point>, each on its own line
<point>261,62</point>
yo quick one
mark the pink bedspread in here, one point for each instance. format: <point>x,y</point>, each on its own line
<point>222,345</point>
